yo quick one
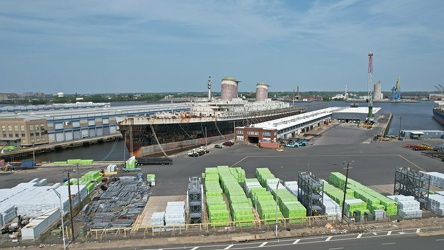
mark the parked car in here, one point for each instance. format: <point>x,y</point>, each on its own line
<point>228,143</point>
<point>217,146</point>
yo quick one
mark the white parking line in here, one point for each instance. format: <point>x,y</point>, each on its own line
<point>359,236</point>
<point>194,248</point>
<point>296,242</point>
<point>439,239</point>
<point>389,232</point>
<point>389,243</point>
<point>228,247</point>
<point>336,248</point>
<point>418,230</point>
<point>375,234</point>
<point>263,244</point>
<point>329,238</point>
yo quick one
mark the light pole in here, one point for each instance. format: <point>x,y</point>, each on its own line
<point>61,216</point>
<point>70,206</point>
<point>277,185</point>
<point>345,188</point>
<point>400,123</point>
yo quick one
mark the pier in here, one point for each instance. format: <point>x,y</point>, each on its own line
<point>44,148</point>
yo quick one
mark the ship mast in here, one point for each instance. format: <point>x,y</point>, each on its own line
<point>209,88</point>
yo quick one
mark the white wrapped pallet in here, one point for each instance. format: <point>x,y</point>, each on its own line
<point>410,214</point>
<point>35,180</point>
<point>251,185</point>
<point>158,219</point>
<point>330,206</point>
<point>292,187</point>
<point>408,205</point>
<point>40,224</point>
<point>271,184</point>
<point>400,197</point>
<point>7,213</point>
<point>42,182</point>
<point>379,214</point>
<point>436,179</point>
<point>439,192</point>
<point>175,215</point>
<point>436,204</point>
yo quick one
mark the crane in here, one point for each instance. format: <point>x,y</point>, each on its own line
<point>396,91</point>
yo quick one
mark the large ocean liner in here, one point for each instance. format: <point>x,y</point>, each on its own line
<point>438,112</point>
<point>207,120</point>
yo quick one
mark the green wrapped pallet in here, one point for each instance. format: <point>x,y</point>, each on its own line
<point>73,161</point>
<point>60,162</point>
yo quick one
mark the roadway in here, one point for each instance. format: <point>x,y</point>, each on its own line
<point>387,240</point>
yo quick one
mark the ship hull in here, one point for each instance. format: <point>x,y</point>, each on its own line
<point>150,139</point>
<point>438,114</point>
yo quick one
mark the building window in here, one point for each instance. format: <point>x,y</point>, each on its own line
<point>239,132</point>
<point>266,134</point>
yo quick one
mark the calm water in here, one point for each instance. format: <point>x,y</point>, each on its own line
<point>409,116</point>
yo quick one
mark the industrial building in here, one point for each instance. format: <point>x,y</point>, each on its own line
<point>421,134</point>
<point>43,124</point>
<point>23,131</point>
<point>354,114</point>
<point>287,127</point>
<point>272,131</point>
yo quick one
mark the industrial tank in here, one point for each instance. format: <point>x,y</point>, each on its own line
<point>377,92</point>
<point>229,89</point>
<point>261,91</point>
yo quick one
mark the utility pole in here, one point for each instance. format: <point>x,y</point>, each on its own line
<point>370,88</point>
<point>78,184</point>
<point>277,189</point>
<point>345,188</point>
<point>70,206</point>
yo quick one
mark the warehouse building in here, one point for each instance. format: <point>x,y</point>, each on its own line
<point>272,131</point>
<point>421,134</point>
<point>354,114</point>
<point>43,124</point>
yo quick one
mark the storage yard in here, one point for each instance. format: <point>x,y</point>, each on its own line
<point>241,191</point>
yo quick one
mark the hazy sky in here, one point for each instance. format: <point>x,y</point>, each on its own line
<point>174,45</point>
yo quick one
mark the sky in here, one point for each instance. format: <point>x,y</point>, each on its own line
<point>149,46</point>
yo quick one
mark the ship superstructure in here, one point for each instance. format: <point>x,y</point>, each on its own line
<point>207,120</point>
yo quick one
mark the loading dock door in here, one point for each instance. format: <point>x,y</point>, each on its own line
<point>254,140</point>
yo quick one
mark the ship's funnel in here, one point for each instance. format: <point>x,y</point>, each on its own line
<point>261,91</point>
<point>229,88</point>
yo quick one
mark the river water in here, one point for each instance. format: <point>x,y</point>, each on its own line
<point>406,116</point>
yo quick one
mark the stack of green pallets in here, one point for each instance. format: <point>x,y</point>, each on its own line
<point>240,207</point>
<point>217,210</point>
<point>373,199</point>
<point>262,174</point>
